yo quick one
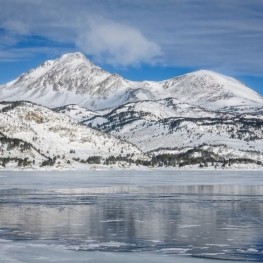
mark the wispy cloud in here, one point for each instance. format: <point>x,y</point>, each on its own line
<point>104,39</point>
<point>218,34</point>
<point>117,44</point>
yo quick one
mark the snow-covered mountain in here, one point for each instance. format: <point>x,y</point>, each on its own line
<point>36,135</point>
<point>73,79</point>
<point>97,117</point>
<point>70,79</point>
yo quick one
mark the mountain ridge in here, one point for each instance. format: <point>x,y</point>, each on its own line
<point>73,79</point>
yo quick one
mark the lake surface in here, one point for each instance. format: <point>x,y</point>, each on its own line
<point>132,216</point>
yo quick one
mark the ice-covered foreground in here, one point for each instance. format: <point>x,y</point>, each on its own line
<point>19,253</point>
<point>131,216</point>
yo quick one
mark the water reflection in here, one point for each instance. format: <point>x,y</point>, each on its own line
<point>221,221</point>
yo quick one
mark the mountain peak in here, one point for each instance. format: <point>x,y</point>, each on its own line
<point>212,75</point>
<point>73,56</point>
<point>208,88</point>
<point>207,73</point>
<point>203,72</point>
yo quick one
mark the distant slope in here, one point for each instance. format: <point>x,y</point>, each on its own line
<point>73,79</point>
<point>169,127</point>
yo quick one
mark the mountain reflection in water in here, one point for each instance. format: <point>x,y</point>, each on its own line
<point>208,221</point>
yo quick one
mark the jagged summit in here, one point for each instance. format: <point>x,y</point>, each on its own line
<point>73,79</point>
<point>78,58</point>
<point>71,64</point>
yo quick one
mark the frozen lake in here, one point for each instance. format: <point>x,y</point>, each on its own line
<point>132,216</point>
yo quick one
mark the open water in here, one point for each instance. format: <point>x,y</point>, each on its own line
<point>132,216</point>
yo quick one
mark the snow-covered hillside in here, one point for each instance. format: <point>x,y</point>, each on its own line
<point>39,134</point>
<point>76,112</point>
<point>166,126</point>
<point>73,79</point>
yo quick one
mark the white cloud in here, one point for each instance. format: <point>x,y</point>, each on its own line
<point>117,44</point>
<point>77,23</point>
<point>191,33</point>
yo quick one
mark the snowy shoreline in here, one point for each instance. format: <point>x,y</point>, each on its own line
<point>131,168</point>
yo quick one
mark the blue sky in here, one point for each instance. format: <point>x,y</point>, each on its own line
<point>139,39</point>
